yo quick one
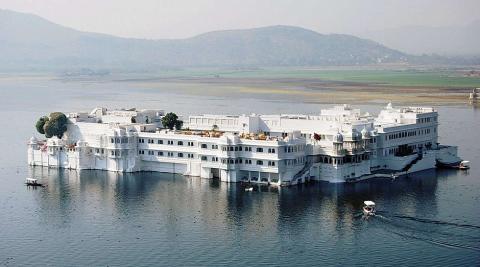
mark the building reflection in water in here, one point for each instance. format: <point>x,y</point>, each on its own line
<point>174,202</point>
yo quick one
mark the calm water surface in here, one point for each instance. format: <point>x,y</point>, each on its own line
<point>94,218</point>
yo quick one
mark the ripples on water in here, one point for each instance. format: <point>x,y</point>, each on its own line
<point>95,218</point>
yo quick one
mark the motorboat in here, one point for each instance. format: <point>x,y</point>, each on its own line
<point>464,165</point>
<point>32,182</point>
<point>459,165</point>
<point>369,208</point>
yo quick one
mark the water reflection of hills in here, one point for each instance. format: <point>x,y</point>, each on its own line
<point>179,200</point>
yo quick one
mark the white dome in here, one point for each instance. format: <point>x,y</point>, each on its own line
<point>365,134</point>
<point>338,138</point>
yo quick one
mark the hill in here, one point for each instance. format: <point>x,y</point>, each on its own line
<point>29,42</point>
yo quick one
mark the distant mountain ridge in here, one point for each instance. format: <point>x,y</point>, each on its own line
<point>29,42</point>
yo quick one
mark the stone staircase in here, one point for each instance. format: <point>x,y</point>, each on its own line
<point>304,170</point>
<point>411,163</point>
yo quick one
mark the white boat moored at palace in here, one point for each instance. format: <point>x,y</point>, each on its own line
<point>464,165</point>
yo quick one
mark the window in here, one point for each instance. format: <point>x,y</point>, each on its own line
<point>180,143</point>
<point>271,150</point>
<point>204,158</point>
<point>180,155</point>
<point>271,163</point>
<point>112,140</point>
<point>248,149</point>
<point>170,154</point>
<point>259,162</point>
<point>160,153</point>
<point>274,177</point>
<point>259,149</point>
<point>214,146</point>
<point>170,142</point>
<point>264,176</point>
<point>190,156</point>
<point>190,143</point>
<point>160,142</point>
<point>204,146</point>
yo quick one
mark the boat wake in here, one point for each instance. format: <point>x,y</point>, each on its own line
<point>436,222</point>
<point>449,244</point>
<point>435,232</point>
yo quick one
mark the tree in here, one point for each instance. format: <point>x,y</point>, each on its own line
<point>56,125</point>
<point>40,124</point>
<point>178,125</point>
<point>170,120</point>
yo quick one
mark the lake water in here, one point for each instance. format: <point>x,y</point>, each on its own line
<point>94,218</point>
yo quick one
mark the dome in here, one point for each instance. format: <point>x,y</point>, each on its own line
<point>338,138</point>
<point>365,134</point>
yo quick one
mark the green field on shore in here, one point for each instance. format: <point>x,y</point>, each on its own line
<point>410,77</point>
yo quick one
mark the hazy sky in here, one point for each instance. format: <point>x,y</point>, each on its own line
<point>181,18</point>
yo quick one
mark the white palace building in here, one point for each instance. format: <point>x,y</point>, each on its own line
<point>340,144</point>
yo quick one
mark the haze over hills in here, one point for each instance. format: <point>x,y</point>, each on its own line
<point>29,42</point>
<point>463,40</point>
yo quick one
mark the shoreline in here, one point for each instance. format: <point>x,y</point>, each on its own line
<point>311,90</point>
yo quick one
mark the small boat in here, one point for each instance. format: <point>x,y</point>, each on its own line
<point>32,182</point>
<point>249,189</point>
<point>369,208</point>
<point>464,165</point>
